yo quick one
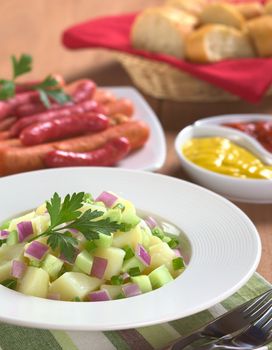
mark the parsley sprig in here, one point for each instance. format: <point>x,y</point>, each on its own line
<point>48,88</point>
<point>66,216</point>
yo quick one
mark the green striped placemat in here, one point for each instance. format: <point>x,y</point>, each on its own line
<point>147,338</point>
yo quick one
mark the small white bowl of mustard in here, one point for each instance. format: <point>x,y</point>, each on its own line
<point>227,162</point>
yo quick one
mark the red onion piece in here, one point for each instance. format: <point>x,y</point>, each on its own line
<point>36,250</point>
<point>99,267</point>
<point>18,268</point>
<point>151,222</point>
<point>25,229</point>
<point>99,295</point>
<point>142,255</point>
<point>4,234</point>
<point>107,198</point>
<point>54,296</point>
<point>177,252</point>
<point>131,290</point>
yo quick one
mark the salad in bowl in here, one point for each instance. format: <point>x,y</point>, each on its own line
<point>78,248</point>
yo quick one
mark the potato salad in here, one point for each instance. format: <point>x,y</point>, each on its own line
<point>80,248</point>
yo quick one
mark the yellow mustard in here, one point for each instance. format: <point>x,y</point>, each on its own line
<point>223,156</point>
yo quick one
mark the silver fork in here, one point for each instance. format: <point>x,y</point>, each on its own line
<point>227,324</point>
<point>257,335</point>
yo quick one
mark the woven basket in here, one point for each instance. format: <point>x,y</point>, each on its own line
<point>162,81</point>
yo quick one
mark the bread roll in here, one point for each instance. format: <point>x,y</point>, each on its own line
<point>194,7</point>
<point>221,13</point>
<point>216,42</point>
<point>250,10</point>
<point>260,30</point>
<point>162,30</point>
<point>268,8</point>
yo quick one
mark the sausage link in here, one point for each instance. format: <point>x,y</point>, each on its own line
<point>122,105</point>
<point>15,159</point>
<point>8,108</point>
<point>61,128</point>
<point>81,108</point>
<point>6,123</point>
<point>110,154</point>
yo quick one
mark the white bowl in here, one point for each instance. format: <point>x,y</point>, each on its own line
<point>223,245</point>
<point>242,190</point>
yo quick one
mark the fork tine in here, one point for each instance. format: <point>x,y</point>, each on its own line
<point>256,308</point>
<point>265,322</point>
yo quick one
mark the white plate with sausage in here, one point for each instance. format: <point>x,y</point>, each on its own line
<point>152,156</point>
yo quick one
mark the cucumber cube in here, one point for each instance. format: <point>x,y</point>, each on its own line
<point>52,265</point>
<point>7,254</point>
<point>104,241</point>
<point>84,262</point>
<point>12,238</point>
<point>132,263</point>
<point>143,283</point>
<point>160,276</point>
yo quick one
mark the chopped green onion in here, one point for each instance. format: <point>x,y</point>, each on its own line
<point>120,296</point>
<point>158,232</point>
<point>90,246</point>
<point>88,198</point>
<point>166,239</point>
<point>116,280</point>
<point>2,241</point>
<point>34,263</point>
<point>134,271</point>
<point>129,252</point>
<point>119,206</point>
<point>5,225</point>
<point>178,263</point>
<point>173,243</point>
<point>76,299</point>
<point>9,283</point>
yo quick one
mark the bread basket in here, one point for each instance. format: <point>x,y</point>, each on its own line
<point>160,80</point>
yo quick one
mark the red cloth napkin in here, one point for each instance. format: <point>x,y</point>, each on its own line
<point>246,78</point>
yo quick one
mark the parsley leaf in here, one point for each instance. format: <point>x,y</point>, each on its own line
<point>21,66</point>
<point>65,242</point>
<point>47,89</point>
<point>7,89</point>
<point>91,229</point>
<point>65,216</point>
<point>68,211</point>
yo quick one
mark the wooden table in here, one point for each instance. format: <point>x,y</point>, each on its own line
<point>175,116</point>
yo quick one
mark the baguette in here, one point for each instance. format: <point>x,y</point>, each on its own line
<point>268,8</point>
<point>260,30</point>
<point>162,30</point>
<point>222,13</point>
<point>194,7</point>
<point>250,10</point>
<point>215,42</point>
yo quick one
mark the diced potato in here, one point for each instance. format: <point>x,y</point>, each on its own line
<point>7,254</point>
<point>40,224</point>
<point>131,238</point>
<point>26,217</point>
<point>161,254</point>
<point>41,209</point>
<point>154,240</point>
<point>34,282</point>
<point>74,284</point>
<point>115,257</point>
<point>113,291</point>
<point>146,234</point>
